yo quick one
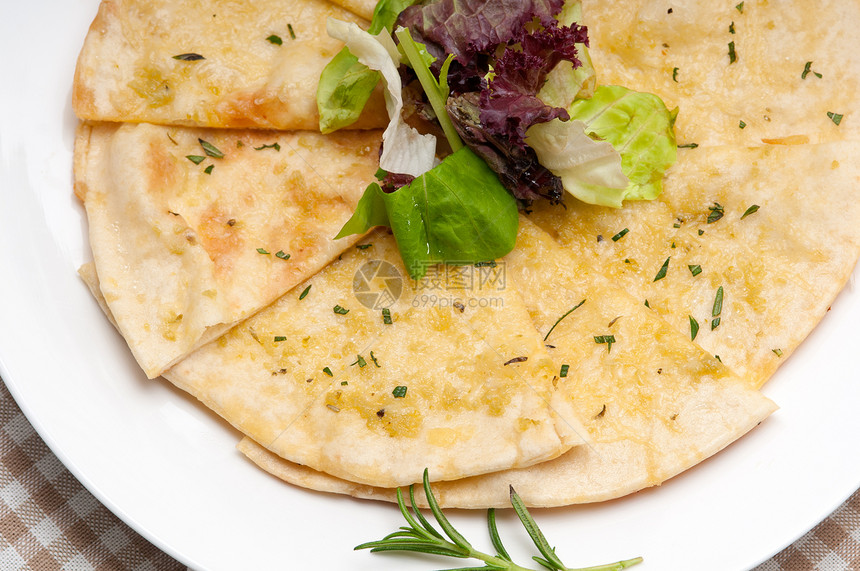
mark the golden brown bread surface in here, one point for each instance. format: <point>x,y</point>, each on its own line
<point>653,404</point>
<point>127,69</point>
<point>177,245</point>
<point>323,387</point>
<point>737,75</point>
<point>783,238</point>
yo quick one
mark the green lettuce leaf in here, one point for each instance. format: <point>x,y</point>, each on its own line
<point>640,127</point>
<point>564,83</point>
<point>457,213</point>
<point>591,170</point>
<point>404,150</point>
<point>345,84</point>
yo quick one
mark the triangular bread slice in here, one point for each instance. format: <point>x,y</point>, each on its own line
<point>210,64</point>
<point>759,241</point>
<point>186,244</point>
<point>654,403</point>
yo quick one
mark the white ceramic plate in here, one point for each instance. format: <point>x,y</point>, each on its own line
<point>169,468</point>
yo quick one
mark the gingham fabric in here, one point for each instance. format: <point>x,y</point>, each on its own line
<point>49,521</point>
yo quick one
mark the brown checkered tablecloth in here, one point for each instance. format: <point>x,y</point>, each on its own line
<point>49,521</point>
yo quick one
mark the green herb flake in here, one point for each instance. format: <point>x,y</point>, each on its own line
<point>807,69</point>
<point>262,251</point>
<point>717,212</point>
<point>675,74</point>
<point>620,235</point>
<point>189,57</point>
<point>694,328</point>
<point>196,159</point>
<point>291,31</point>
<point>340,310</point>
<point>328,372</point>
<point>740,7</point>
<point>689,146</point>
<point>695,269</point>
<point>718,308</point>
<point>777,352</point>
<point>571,310</point>
<point>274,145</point>
<point>359,361</point>
<point>305,293</point>
<point>375,362</point>
<point>835,117</point>
<point>732,28</point>
<point>742,125</point>
<point>663,270</point>
<point>363,246</point>
<point>648,305</point>
<point>751,210</point>
<point>279,338</point>
<point>344,383</point>
<point>701,232</point>
<point>718,303</point>
<point>282,255</point>
<point>399,392</point>
<point>386,316</point>
<point>209,169</point>
<point>717,357</point>
<point>733,55</point>
<point>564,370</point>
<point>605,339</point>
<point>273,39</point>
<point>210,149</point>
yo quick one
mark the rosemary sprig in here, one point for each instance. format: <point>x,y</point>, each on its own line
<point>421,537</point>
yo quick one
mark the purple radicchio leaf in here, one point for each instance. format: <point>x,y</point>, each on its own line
<point>467,27</point>
<point>517,167</point>
<point>394,181</point>
<point>509,103</point>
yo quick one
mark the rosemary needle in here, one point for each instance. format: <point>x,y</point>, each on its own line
<point>422,537</point>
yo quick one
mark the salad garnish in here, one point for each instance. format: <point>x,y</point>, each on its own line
<point>510,87</point>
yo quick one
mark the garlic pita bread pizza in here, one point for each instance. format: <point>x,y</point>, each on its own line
<point>653,403</point>
<point>741,73</point>
<point>743,252</point>
<point>194,230</point>
<point>327,379</point>
<point>211,64</point>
